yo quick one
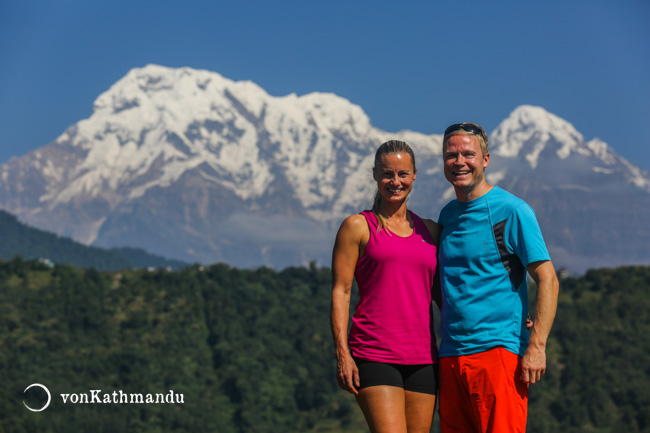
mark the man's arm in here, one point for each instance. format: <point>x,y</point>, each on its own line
<point>534,361</point>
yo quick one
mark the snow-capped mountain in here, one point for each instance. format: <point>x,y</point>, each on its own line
<point>539,138</point>
<point>592,204</point>
<point>191,165</point>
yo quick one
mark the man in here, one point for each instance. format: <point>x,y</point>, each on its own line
<point>489,240</point>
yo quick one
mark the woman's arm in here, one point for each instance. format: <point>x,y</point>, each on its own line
<point>350,241</point>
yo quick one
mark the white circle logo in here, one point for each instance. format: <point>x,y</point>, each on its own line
<point>49,397</point>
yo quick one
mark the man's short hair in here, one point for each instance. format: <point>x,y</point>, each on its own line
<point>467,128</point>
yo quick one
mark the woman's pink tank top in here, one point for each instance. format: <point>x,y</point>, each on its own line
<point>393,320</point>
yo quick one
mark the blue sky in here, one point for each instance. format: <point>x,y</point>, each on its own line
<point>414,65</point>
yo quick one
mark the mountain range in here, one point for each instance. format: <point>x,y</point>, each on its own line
<point>193,166</point>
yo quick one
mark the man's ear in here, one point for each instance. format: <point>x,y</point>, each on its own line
<point>486,160</point>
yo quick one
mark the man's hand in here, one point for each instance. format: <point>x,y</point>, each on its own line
<point>533,365</point>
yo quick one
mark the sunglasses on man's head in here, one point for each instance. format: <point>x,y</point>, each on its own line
<point>467,127</point>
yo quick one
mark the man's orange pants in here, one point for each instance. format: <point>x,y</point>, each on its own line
<point>482,393</point>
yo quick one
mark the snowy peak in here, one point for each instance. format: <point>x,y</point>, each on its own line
<point>529,130</point>
<point>534,135</point>
<point>157,123</point>
<point>184,94</point>
<point>335,113</point>
<point>188,94</point>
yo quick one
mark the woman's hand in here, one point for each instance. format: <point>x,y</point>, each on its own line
<point>347,374</point>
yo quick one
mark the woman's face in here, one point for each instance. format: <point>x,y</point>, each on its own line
<point>394,175</point>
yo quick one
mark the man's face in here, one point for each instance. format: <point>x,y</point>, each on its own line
<point>464,162</point>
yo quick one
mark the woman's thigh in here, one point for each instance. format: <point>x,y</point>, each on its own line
<point>397,398</point>
<point>384,408</point>
<point>391,409</point>
<point>419,408</point>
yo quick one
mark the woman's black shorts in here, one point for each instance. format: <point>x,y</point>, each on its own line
<point>417,378</point>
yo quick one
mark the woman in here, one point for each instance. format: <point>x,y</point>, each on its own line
<point>388,361</point>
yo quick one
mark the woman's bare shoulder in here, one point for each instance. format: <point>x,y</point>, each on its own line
<point>354,225</point>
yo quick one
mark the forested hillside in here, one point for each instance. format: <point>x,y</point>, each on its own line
<point>20,239</point>
<point>251,351</point>
<point>598,376</point>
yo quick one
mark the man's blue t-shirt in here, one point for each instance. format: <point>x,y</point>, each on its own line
<point>485,246</point>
